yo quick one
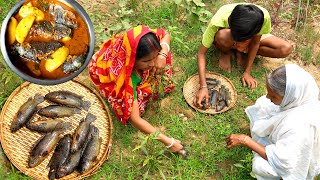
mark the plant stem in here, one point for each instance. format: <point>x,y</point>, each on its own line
<point>298,16</point>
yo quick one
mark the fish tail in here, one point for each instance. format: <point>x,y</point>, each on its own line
<point>77,110</point>
<point>86,105</point>
<point>90,117</point>
<point>39,98</point>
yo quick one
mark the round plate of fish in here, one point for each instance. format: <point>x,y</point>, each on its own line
<point>58,131</point>
<point>222,93</point>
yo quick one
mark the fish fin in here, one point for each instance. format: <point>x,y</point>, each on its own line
<point>77,111</point>
<point>73,94</point>
<point>39,98</point>
<point>90,117</point>
<point>61,97</point>
<point>86,105</point>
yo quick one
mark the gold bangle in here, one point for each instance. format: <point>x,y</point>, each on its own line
<point>244,140</point>
<point>203,87</point>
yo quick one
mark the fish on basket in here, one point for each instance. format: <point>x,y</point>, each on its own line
<point>81,133</point>
<point>91,150</point>
<point>58,111</point>
<point>219,96</point>
<point>43,147</point>
<point>25,112</point>
<point>67,98</point>
<point>60,155</point>
<point>49,125</point>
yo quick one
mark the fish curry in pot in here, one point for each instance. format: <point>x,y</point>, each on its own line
<point>47,39</point>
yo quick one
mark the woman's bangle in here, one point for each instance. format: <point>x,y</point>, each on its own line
<point>203,87</point>
<point>163,54</point>
<point>166,45</point>
<point>244,140</point>
<point>172,142</point>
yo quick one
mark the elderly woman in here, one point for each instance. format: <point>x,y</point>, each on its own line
<point>124,70</point>
<point>285,127</point>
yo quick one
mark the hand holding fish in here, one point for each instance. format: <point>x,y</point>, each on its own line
<point>202,95</point>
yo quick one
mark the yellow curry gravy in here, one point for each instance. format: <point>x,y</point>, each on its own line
<point>77,45</point>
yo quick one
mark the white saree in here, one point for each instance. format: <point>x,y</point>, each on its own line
<point>290,132</point>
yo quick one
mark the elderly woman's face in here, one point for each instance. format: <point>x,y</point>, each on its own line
<point>273,96</point>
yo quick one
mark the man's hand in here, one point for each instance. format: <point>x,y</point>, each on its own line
<point>202,94</point>
<point>248,80</point>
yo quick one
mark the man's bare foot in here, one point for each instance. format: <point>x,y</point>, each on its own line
<point>224,62</point>
<point>241,60</point>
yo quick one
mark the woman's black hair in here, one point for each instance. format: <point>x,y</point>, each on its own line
<point>245,22</point>
<point>147,44</point>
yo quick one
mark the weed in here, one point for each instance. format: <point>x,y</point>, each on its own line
<point>153,160</point>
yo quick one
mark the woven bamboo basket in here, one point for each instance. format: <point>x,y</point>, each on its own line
<point>18,145</point>
<point>192,85</point>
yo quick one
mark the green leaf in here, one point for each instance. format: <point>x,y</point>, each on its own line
<point>136,148</point>
<point>146,174</point>
<point>144,150</point>
<point>178,2</point>
<point>8,79</point>
<point>145,162</point>
<point>199,3</point>
<point>122,3</point>
<point>252,174</point>
<point>238,165</point>
<point>162,175</point>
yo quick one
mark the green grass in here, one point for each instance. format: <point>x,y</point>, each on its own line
<point>202,134</point>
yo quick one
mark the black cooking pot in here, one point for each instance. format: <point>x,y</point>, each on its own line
<point>5,49</point>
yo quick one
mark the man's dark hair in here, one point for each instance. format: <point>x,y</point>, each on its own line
<point>245,22</point>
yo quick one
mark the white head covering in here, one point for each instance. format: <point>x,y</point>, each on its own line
<point>292,129</point>
<point>301,87</point>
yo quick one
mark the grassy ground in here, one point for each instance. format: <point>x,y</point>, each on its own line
<point>203,135</point>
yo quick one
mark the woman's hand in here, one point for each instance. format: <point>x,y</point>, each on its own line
<point>248,80</point>
<point>160,64</point>
<point>202,94</point>
<point>236,140</point>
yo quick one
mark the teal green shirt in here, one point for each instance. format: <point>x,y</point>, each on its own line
<point>135,81</point>
<point>220,20</point>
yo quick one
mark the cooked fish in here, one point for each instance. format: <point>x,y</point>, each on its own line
<point>68,98</point>
<point>43,28</point>
<point>63,16</point>
<point>36,50</point>
<point>73,63</point>
<point>25,112</point>
<point>57,111</point>
<point>91,150</point>
<point>43,147</point>
<point>50,30</point>
<point>60,155</point>
<point>45,126</point>
<point>81,133</point>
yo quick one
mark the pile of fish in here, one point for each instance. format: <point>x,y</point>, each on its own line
<point>72,152</point>
<point>219,95</point>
